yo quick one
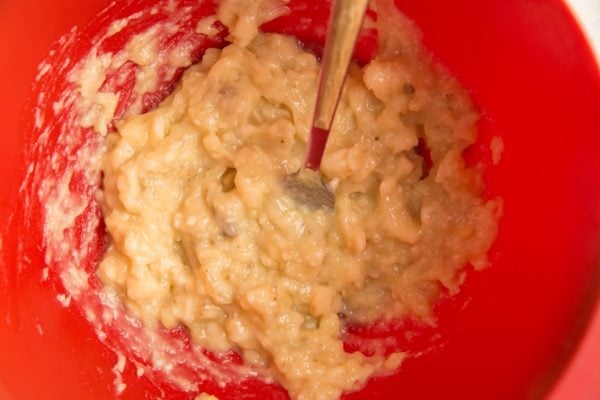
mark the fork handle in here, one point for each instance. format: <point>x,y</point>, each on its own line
<point>344,26</point>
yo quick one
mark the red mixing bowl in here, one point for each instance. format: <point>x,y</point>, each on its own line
<point>512,330</point>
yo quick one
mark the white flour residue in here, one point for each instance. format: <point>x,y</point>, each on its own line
<point>39,329</point>
<point>45,272</point>
<point>64,300</point>
<point>139,370</point>
<point>97,108</point>
<point>43,69</point>
<point>118,369</point>
<point>75,281</point>
<point>206,396</point>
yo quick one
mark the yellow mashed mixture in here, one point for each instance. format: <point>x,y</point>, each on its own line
<point>205,235</point>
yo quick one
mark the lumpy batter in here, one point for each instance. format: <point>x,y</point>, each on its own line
<point>205,235</point>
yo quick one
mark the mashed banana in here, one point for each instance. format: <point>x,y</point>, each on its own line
<point>204,234</point>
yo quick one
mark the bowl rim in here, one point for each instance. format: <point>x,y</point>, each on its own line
<point>575,381</point>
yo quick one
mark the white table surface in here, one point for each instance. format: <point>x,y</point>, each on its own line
<point>588,14</point>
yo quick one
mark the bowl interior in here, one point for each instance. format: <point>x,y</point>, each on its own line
<point>509,331</point>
